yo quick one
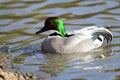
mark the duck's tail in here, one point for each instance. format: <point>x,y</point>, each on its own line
<point>103,32</point>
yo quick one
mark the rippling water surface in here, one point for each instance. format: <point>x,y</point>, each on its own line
<point>20,19</point>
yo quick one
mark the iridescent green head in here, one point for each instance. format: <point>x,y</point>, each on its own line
<point>54,23</point>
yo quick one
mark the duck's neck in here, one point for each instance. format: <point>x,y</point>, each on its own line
<point>60,27</point>
<point>62,30</point>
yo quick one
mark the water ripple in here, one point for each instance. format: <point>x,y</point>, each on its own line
<point>20,19</point>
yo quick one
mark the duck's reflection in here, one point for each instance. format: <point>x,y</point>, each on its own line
<point>56,63</point>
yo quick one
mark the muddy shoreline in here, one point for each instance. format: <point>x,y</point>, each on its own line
<point>6,75</point>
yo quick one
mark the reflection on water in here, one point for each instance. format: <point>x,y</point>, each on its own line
<point>20,19</point>
<point>57,63</point>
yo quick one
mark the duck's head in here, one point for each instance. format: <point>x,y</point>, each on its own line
<point>53,23</point>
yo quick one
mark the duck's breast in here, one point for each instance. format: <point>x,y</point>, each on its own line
<point>53,44</point>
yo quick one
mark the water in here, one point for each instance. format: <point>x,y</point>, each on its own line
<point>20,19</point>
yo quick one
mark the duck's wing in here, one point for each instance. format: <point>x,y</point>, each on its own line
<point>87,39</point>
<point>95,33</point>
<point>80,43</point>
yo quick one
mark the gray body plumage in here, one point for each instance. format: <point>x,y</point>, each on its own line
<point>83,40</point>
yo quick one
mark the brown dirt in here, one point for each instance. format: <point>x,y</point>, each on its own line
<point>5,75</point>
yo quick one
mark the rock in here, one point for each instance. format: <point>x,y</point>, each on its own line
<point>16,76</point>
